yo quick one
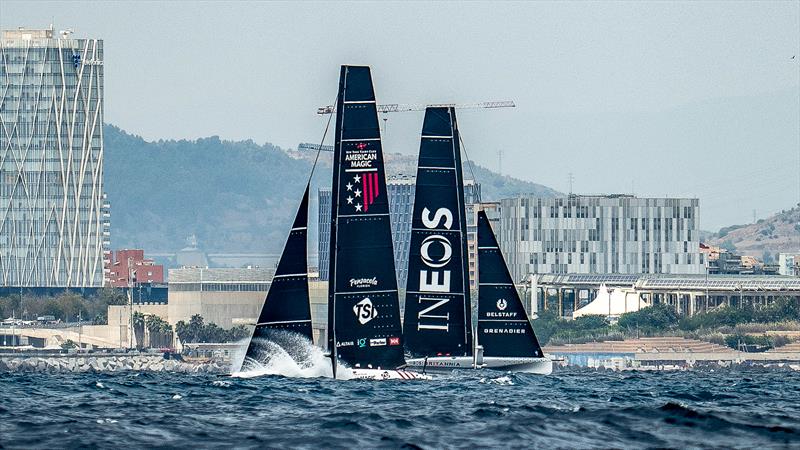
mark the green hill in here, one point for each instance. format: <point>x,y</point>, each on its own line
<point>234,196</point>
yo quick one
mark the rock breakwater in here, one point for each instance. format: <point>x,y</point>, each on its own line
<point>105,363</point>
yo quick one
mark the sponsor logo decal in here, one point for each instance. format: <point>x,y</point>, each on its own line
<point>394,341</point>
<point>502,304</point>
<point>501,314</point>
<point>344,344</point>
<point>361,187</point>
<point>365,311</point>
<point>362,342</point>
<point>363,282</point>
<point>377,342</point>
<point>504,331</point>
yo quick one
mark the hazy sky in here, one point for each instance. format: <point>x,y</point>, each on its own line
<point>668,98</point>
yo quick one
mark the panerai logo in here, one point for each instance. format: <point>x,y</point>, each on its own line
<point>363,282</point>
<point>365,311</point>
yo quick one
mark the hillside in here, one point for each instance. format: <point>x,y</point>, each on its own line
<point>775,234</point>
<point>234,196</point>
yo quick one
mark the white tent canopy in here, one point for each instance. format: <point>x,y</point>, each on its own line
<point>612,303</point>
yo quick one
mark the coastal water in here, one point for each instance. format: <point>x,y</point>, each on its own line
<point>742,408</point>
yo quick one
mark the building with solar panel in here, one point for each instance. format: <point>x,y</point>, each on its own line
<point>54,230</point>
<point>603,234</point>
<point>688,294</point>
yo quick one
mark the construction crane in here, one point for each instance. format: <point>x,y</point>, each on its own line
<point>314,147</point>
<point>395,107</point>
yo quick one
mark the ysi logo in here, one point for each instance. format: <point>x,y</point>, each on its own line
<point>365,311</point>
<point>502,304</point>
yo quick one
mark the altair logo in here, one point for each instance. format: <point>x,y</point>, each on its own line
<point>502,304</point>
<point>365,311</point>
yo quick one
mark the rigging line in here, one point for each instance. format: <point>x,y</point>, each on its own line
<point>319,148</point>
<point>469,164</point>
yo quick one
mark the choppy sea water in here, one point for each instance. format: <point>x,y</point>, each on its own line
<point>742,408</point>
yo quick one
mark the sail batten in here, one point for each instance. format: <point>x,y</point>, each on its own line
<point>503,326</point>
<point>437,307</point>
<point>363,307</point>
<point>286,309</point>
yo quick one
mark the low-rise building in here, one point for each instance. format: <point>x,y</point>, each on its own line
<point>226,297</point>
<point>130,267</point>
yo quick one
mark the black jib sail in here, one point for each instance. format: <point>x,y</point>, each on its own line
<point>363,308</point>
<point>438,312</point>
<point>503,325</point>
<point>286,314</point>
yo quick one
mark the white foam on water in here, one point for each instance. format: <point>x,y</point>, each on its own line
<point>503,381</point>
<point>309,361</point>
<point>177,397</point>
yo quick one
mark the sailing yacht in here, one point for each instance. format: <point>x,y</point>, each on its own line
<point>363,307</point>
<point>505,339</point>
<point>438,313</point>
<point>285,318</point>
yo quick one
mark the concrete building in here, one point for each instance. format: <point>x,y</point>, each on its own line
<point>131,267</point>
<point>55,227</point>
<point>226,297</point>
<point>401,190</point>
<point>616,234</point>
<point>789,264</point>
<point>492,210</point>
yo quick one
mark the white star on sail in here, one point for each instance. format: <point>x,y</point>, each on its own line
<point>358,206</point>
<point>349,186</point>
<point>349,200</point>
<point>357,192</point>
<point>357,178</point>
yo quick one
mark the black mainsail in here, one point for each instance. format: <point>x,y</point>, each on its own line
<point>363,308</point>
<point>503,325</point>
<point>286,313</point>
<point>438,313</point>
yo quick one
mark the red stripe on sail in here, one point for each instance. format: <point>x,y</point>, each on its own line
<point>372,188</point>
<point>366,191</point>
<point>377,190</point>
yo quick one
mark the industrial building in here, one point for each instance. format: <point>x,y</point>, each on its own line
<point>616,234</point>
<point>55,228</point>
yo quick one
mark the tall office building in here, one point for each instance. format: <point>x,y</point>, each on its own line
<point>54,220</point>
<point>600,234</point>
<point>401,206</point>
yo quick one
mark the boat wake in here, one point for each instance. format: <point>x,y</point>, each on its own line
<point>290,355</point>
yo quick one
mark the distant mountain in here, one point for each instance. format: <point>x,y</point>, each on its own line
<point>233,196</point>
<point>775,234</point>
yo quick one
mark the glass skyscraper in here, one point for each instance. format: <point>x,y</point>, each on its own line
<point>54,217</point>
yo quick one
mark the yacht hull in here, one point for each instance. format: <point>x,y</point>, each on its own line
<point>539,366</point>
<point>381,374</point>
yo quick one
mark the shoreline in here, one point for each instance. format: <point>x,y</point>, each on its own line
<point>104,363</point>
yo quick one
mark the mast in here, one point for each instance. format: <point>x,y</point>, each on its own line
<point>438,310</point>
<point>503,325</point>
<point>363,307</point>
<point>286,311</point>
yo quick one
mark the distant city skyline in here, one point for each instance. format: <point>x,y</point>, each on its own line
<point>662,99</point>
